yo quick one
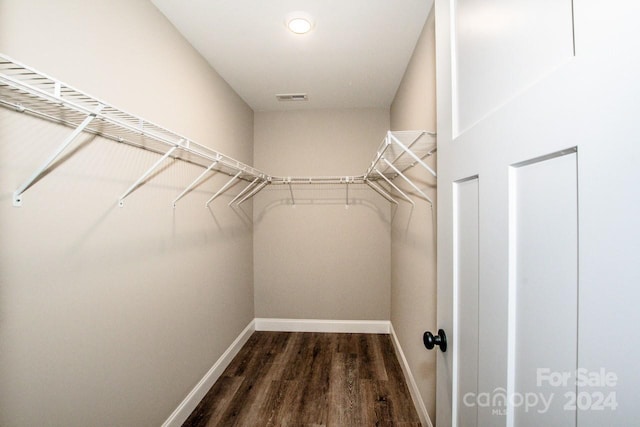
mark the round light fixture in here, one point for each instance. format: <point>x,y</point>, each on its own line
<point>299,25</point>
<point>299,22</point>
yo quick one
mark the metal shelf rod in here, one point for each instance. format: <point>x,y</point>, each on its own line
<point>318,180</point>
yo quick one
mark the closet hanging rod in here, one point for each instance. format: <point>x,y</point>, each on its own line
<point>301,180</point>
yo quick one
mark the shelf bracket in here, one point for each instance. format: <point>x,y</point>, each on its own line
<point>402,193</point>
<point>412,154</point>
<point>347,196</point>
<point>193,184</point>
<point>380,191</point>
<point>254,192</point>
<point>244,191</point>
<point>293,201</point>
<point>396,170</point>
<point>145,176</point>
<point>379,154</point>
<point>223,189</point>
<point>17,195</point>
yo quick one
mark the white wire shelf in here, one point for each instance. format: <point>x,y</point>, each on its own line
<point>29,91</point>
<point>398,152</point>
<point>401,150</point>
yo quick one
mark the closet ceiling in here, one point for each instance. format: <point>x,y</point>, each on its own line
<point>355,55</point>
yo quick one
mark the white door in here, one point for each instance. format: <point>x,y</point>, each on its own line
<point>538,212</point>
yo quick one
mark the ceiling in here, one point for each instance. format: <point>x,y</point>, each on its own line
<point>354,57</point>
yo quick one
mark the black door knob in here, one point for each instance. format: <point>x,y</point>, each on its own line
<point>430,340</point>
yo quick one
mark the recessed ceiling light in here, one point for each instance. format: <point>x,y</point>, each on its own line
<point>299,25</point>
<point>299,22</point>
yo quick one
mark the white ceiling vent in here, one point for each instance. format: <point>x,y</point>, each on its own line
<point>292,97</point>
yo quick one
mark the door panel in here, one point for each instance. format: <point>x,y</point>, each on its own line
<point>543,290</point>
<point>558,280</point>
<point>466,280</point>
<point>504,46</point>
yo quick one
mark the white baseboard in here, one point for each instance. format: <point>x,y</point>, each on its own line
<point>411,382</point>
<point>319,325</point>
<point>194,397</point>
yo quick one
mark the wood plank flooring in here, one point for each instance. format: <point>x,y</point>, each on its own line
<point>310,379</point>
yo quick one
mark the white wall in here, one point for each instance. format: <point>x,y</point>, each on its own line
<point>109,316</point>
<point>319,259</point>
<point>413,236</point>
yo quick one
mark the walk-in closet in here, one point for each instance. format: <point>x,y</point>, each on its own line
<point>319,213</point>
<point>156,217</point>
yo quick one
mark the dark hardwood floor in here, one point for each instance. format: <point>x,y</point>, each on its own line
<point>310,379</point>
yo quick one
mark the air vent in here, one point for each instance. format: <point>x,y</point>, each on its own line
<point>292,97</point>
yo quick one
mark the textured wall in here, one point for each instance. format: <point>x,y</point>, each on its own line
<point>108,315</point>
<point>413,236</point>
<point>320,259</point>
